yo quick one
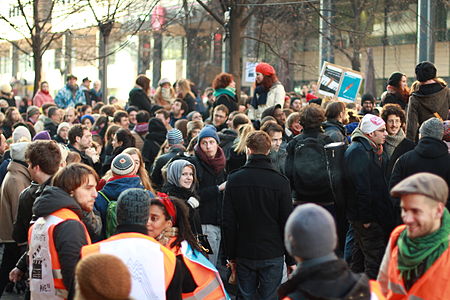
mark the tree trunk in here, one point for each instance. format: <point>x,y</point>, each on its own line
<point>157,57</point>
<point>235,47</point>
<point>37,63</point>
<point>36,47</point>
<point>192,56</point>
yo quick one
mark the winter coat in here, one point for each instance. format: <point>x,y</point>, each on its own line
<point>227,138</point>
<point>430,155</point>
<point>156,174</point>
<point>51,127</point>
<point>331,280</point>
<point>190,101</point>
<point>184,194</point>
<point>235,160</point>
<point>423,104</point>
<point>366,186</point>
<point>257,203</point>
<point>335,130</point>
<point>153,141</point>
<point>228,101</point>
<point>208,190</point>
<point>392,98</point>
<point>138,98</point>
<point>85,159</point>
<point>16,180</point>
<point>278,160</point>
<point>112,189</point>
<point>275,96</point>
<point>68,236</point>
<point>41,98</point>
<point>65,98</point>
<point>404,146</point>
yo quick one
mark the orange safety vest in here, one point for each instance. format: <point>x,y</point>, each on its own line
<point>433,285</point>
<point>37,259</point>
<point>209,284</point>
<point>126,242</point>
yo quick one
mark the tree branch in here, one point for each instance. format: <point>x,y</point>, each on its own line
<point>211,12</point>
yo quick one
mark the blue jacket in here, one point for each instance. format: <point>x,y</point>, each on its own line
<point>112,190</point>
<point>65,98</point>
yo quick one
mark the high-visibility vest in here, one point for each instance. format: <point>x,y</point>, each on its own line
<point>434,283</point>
<point>375,292</point>
<point>205,275</point>
<point>151,265</point>
<point>46,282</point>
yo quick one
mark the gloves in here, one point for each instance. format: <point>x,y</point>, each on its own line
<point>193,202</point>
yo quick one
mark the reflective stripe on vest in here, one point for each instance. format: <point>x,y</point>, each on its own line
<point>434,283</point>
<point>375,291</point>
<point>151,265</point>
<point>46,280</point>
<point>206,276</point>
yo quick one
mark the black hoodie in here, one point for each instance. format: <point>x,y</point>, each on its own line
<point>153,140</point>
<point>69,236</point>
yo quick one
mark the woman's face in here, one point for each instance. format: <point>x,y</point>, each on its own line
<point>403,83</point>
<point>87,123</point>
<point>157,221</point>
<point>197,117</point>
<point>64,133</point>
<point>15,115</point>
<point>232,84</point>
<point>186,178</point>
<point>195,132</point>
<point>259,77</point>
<point>115,143</point>
<point>85,194</point>
<point>137,163</point>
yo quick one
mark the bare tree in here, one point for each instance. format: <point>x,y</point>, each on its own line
<point>32,20</point>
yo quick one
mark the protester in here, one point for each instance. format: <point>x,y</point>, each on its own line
<point>161,273</point>
<point>62,133</point>
<point>132,112</point>
<point>178,111</point>
<point>164,94</point>
<point>121,119</point>
<point>310,237</point>
<point>416,261</point>
<point>139,95</point>
<point>70,94</point>
<point>54,118</point>
<point>368,104</point>
<point>430,98</point>
<point>43,95</point>
<point>225,91</point>
<point>153,141</point>
<point>80,141</point>
<point>184,92</point>
<point>333,126</point>
<point>277,154</point>
<point>219,117</point>
<point>257,197</point>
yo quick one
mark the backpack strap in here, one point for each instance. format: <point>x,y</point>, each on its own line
<point>104,196</point>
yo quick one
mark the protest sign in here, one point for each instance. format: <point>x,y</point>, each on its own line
<point>339,82</point>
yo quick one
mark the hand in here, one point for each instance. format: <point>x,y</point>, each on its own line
<point>367,225</point>
<point>291,269</point>
<point>193,202</point>
<point>222,186</point>
<point>90,152</point>
<point>16,275</point>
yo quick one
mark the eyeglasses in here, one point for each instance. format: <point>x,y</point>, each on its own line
<point>381,130</point>
<point>394,121</point>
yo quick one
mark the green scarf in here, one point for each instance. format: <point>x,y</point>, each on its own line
<point>427,249</point>
<point>228,91</point>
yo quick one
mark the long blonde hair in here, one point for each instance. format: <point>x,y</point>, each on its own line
<point>142,172</point>
<point>243,132</point>
<point>416,84</point>
<point>184,87</point>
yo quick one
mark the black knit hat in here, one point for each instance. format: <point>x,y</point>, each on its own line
<point>395,79</point>
<point>133,207</point>
<point>367,97</point>
<point>425,71</point>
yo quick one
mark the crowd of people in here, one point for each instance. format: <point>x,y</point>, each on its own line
<point>182,194</point>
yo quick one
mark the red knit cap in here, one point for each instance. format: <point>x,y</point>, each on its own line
<point>265,69</point>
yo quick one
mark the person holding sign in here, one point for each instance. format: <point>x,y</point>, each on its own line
<point>268,92</point>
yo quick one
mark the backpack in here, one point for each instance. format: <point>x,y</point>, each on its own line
<point>316,166</point>
<point>111,216</point>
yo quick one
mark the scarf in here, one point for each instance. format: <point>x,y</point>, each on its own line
<point>260,96</point>
<point>227,91</point>
<point>412,253</point>
<point>378,149</point>
<point>165,236</point>
<point>45,92</point>
<point>392,141</point>
<point>217,162</point>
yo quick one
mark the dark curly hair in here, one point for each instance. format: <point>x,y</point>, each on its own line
<point>222,80</point>
<point>393,109</point>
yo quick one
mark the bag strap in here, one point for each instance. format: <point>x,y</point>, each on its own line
<point>104,196</point>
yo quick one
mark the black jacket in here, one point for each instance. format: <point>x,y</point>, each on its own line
<point>185,194</point>
<point>228,101</point>
<point>335,130</point>
<point>159,163</point>
<point>139,98</point>
<point>430,155</point>
<point>227,137</point>
<point>85,159</point>
<point>69,236</point>
<point>366,186</point>
<point>330,280</point>
<point>153,141</point>
<point>257,203</point>
<point>404,146</point>
<point>51,127</point>
<point>190,101</point>
<point>208,190</point>
<point>392,98</point>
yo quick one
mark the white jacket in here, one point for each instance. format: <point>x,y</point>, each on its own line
<point>275,96</point>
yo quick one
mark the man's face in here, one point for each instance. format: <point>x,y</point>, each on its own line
<point>85,194</point>
<point>132,117</point>
<point>279,116</point>
<point>87,83</point>
<point>420,214</point>
<point>64,132</point>
<point>393,124</point>
<point>277,139</point>
<point>219,118</point>
<point>367,105</point>
<point>86,140</point>
<point>72,81</point>
<point>209,146</point>
<point>164,120</point>
<point>296,105</point>
<point>124,122</point>
<point>176,108</point>
<point>70,116</point>
<point>379,135</point>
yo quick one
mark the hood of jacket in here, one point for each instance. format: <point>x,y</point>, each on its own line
<point>53,199</point>
<point>136,90</point>
<point>431,100</point>
<point>113,188</point>
<point>156,130</point>
<point>431,148</point>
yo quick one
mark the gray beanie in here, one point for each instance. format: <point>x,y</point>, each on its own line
<point>433,128</point>
<point>133,207</point>
<point>310,232</point>
<point>174,137</point>
<point>122,164</point>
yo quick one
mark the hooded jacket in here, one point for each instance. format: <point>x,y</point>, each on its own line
<point>366,186</point>
<point>335,130</point>
<point>139,98</point>
<point>153,141</point>
<point>330,280</point>
<point>429,99</point>
<point>69,236</point>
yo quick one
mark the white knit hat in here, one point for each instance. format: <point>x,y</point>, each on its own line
<point>370,123</point>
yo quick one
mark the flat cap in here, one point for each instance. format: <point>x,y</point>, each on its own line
<point>426,184</point>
